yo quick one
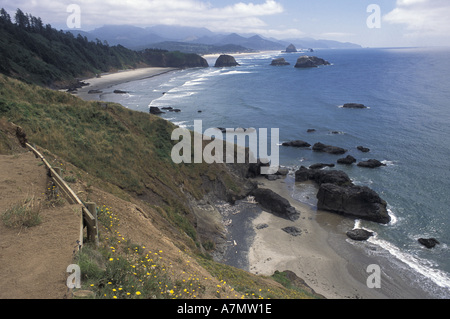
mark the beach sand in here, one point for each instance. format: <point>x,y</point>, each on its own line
<point>108,80</point>
<point>322,255</point>
<point>308,255</point>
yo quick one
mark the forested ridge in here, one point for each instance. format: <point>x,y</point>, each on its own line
<point>37,53</point>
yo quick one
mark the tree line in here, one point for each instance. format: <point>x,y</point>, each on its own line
<point>38,53</point>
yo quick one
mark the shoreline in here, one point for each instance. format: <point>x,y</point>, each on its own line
<point>108,80</point>
<point>320,256</point>
<point>309,255</point>
<point>323,255</point>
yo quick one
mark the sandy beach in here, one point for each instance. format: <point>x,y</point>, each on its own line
<point>322,255</point>
<point>308,255</point>
<point>108,80</point>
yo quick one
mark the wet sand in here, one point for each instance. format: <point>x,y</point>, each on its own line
<point>111,79</point>
<point>322,255</point>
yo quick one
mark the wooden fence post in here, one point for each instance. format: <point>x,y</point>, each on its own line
<point>93,231</point>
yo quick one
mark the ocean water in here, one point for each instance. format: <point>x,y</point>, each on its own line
<point>407,126</point>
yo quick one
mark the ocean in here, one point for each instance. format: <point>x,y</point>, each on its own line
<point>406,126</point>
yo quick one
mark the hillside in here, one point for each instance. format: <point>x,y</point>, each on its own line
<point>121,160</point>
<point>39,54</point>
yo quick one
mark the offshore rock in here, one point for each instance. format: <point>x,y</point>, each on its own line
<point>279,62</point>
<point>298,143</point>
<point>319,147</point>
<point>349,160</point>
<point>429,242</point>
<point>354,201</point>
<point>155,110</point>
<point>310,62</point>
<point>354,106</point>
<point>372,163</point>
<point>225,61</point>
<point>291,49</point>
<point>359,234</point>
<point>275,203</point>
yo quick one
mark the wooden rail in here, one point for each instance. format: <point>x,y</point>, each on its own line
<point>89,210</point>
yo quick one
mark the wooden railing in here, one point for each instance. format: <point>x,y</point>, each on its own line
<point>88,210</point>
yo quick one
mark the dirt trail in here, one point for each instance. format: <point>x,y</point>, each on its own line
<point>33,261</point>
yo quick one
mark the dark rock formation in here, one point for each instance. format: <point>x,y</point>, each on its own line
<point>293,231</point>
<point>225,61</point>
<point>298,143</point>
<point>322,176</point>
<point>291,49</point>
<point>321,165</point>
<point>372,163</point>
<point>319,147</point>
<point>429,242</point>
<point>359,234</point>
<point>283,171</point>
<point>311,130</point>
<point>275,203</point>
<point>349,160</point>
<point>355,201</point>
<point>155,110</point>
<point>310,62</point>
<point>95,92</point>
<point>354,106</point>
<point>363,149</point>
<point>279,61</point>
<point>120,92</point>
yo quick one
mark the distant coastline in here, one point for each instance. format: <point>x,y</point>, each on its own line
<point>108,80</point>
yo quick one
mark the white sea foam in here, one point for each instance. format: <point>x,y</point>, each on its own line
<point>421,266</point>
<point>235,72</point>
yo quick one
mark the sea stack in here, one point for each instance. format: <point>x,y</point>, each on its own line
<point>279,61</point>
<point>226,61</point>
<point>291,49</point>
<point>310,62</point>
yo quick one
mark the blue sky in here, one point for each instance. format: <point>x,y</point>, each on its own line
<point>392,23</point>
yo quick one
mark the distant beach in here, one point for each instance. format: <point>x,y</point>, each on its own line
<point>107,80</point>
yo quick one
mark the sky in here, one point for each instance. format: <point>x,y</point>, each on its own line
<point>370,23</point>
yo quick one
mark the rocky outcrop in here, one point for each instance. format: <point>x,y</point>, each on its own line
<point>291,49</point>
<point>354,201</point>
<point>429,242</point>
<point>363,149</point>
<point>322,176</point>
<point>349,160</point>
<point>279,62</point>
<point>292,230</point>
<point>359,234</point>
<point>372,163</point>
<point>310,62</point>
<point>155,110</point>
<point>297,143</point>
<point>226,61</point>
<point>275,203</point>
<point>319,147</point>
<point>354,106</point>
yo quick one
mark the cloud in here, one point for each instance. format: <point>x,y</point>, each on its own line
<point>240,15</point>
<point>422,18</point>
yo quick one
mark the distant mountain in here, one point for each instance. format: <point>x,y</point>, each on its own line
<point>201,40</point>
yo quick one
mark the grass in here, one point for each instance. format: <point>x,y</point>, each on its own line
<point>120,269</point>
<point>26,213</point>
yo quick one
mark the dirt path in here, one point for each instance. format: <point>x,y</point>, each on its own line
<point>33,261</point>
